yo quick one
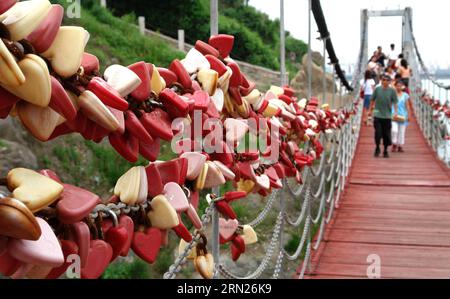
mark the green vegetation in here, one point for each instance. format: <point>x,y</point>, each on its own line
<point>137,269</point>
<point>256,36</point>
<point>116,40</point>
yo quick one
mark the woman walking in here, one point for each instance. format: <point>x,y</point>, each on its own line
<point>405,71</point>
<point>367,88</point>
<point>400,121</point>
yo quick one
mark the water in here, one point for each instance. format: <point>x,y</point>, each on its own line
<point>438,93</point>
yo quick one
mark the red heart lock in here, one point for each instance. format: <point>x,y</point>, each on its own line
<point>50,174</point>
<point>6,4</point>
<point>246,170</point>
<point>150,151</point>
<point>155,182</point>
<point>236,77</point>
<point>173,171</point>
<point>285,99</point>
<point>235,252</point>
<point>78,124</point>
<point>90,63</point>
<point>60,130</point>
<point>100,254</point>
<point>8,99</point>
<point>183,76</point>
<point>3,243</point>
<point>108,95</point>
<point>201,100</point>
<point>142,92</point>
<point>158,124</point>
<point>8,264</point>
<point>68,247</point>
<point>231,196</point>
<point>222,42</point>
<point>194,199</point>
<point>212,110</point>
<point>235,94</point>
<point>196,86</point>
<point>168,76</point>
<point>4,112</point>
<point>224,208</point>
<point>126,145</point>
<point>206,49</point>
<point>247,86</point>
<point>193,216</point>
<point>216,65</point>
<point>117,237</point>
<point>135,128</point>
<point>288,91</point>
<point>239,243</point>
<point>75,204</point>
<point>176,106</point>
<point>147,245</point>
<point>279,170</point>
<point>126,222</point>
<point>44,35</point>
<point>82,237</point>
<point>182,231</point>
<point>120,116</point>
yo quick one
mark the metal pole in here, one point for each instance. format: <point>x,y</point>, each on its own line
<point>282,45</point>
<point>334,87</point>
<point>309,52</point>
<point>214,17</point>
<point>181,40</point>
<point>141,21</point>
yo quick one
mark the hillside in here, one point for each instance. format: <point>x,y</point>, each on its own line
<point>256,36</point>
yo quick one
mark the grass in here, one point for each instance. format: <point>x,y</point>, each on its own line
<point>116,40</point>
<point>3,144</point>
<point>137,269</point>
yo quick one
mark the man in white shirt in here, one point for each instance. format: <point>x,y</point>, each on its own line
<point>392,55</point>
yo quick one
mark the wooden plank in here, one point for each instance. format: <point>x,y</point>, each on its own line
<point>388,237</point>
<point>398,208</point>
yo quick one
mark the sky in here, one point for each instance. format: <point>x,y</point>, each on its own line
<point>430,18</point>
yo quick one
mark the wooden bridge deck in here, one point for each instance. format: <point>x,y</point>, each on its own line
<point>397,208</point>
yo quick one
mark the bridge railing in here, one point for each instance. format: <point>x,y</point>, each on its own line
<point>433,114</point>
<point>300,209</point>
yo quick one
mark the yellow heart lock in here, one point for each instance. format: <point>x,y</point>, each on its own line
<point>157,83</point>
<point>224,80</point>
<point>245,185</point>
<point>249,235</point>
<point>39,121</point>
<point>182,247</point>
<point>66,51</point>
<point>271,110</point>
<point>229,106</point>
<point>243,109</point>
<point>35,190</point>
<point>204,262</point>
<point>96,111</point>
<point>128,186</point>
<point>208,80</point>
<point>278,91</point>
<point>201,179</point>
<point>10,72</point>
<point>24,17</point>
<point>162,215</point>
<point>253,96</point>
<point>37,86</point>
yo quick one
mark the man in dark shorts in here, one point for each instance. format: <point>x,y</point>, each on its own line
<point>382,100</point>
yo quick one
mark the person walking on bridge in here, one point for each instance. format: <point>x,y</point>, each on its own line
<point>383,99</point>
<point>400,122</point>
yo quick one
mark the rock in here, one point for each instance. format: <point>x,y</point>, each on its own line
<point>11,129</point>
<point>15,155</point>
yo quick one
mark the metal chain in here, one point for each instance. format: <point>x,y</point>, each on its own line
<point>260,218</point>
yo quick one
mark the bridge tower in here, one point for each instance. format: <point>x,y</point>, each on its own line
<point>407,37</point>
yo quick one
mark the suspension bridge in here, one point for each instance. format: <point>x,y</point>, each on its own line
<point>372,212</point>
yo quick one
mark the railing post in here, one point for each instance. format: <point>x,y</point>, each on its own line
<point>324,80</point>
<point>103,3</point>
<point>214,16</point>
<point>141,21</point>
<point>282,45</point>
<point>181,40</point>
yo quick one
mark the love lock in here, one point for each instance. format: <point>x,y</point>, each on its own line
<point>204,261</point>
<point>116,236</point>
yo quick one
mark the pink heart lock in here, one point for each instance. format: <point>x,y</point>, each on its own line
<point>82,238</point>
<point>44,35</point>
<point>46,251</point>
<point>176,196</point>
<point>195,164</point>
<point>227,228</point>
<point>193,217</point>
